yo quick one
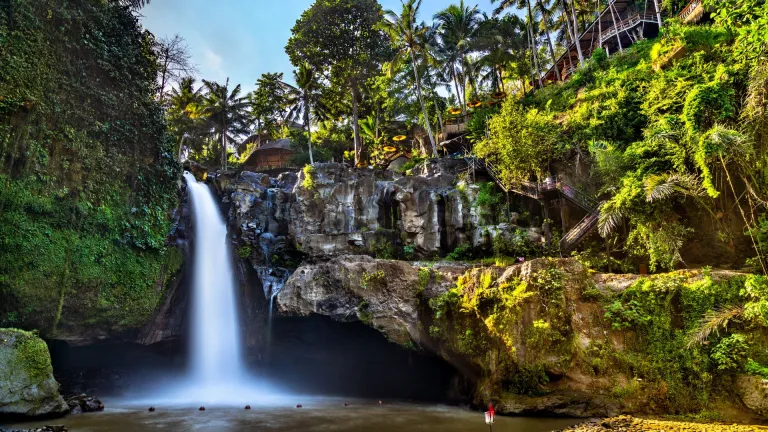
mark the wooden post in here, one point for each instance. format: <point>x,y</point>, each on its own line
<point>618,33</point>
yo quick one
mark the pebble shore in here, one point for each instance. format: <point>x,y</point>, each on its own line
<point>633,424</point>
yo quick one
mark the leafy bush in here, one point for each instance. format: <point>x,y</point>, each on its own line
<point>462,252</point>
<point>731,353</point>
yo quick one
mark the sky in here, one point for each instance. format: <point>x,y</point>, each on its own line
<point>241,39</point>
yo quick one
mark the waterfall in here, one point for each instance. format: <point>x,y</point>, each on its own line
<point>217,372</point>
<point>215,344</point>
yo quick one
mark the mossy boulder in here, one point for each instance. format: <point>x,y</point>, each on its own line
<point>27,386</point>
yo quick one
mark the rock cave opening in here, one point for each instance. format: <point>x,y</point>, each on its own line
<point>308,355</point>
<point>318,355</point>
<point>389,212</point>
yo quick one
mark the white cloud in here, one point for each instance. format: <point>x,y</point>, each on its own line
<point>212,65</point>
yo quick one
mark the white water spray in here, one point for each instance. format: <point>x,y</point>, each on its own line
<point>216,354</point>
<point>217,375</point>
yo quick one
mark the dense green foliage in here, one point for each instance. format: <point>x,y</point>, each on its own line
<point>670,342</point>
<point>88,170</point>
<point>672,132</point>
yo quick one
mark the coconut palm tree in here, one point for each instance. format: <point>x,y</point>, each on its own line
<point>183,114</point>
<point>530,22</point>
<point>544,24</point>
<point>226,113</point>
<point>406,36</point>
<point>458,27</point>
<point>304,100</point>
<point>500,42</point>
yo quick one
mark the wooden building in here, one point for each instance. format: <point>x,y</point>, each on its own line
<point>619,25</point>
<point>272,157</point>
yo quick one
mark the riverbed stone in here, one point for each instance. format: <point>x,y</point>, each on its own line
<point>27,386</point>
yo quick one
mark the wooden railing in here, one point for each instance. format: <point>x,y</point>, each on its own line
<point>261,168</point>
<point>574,236</point>
<point>689,10</point>
<point>537,191</point>
<point>625,25</point>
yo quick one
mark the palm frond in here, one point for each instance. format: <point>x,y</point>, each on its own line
<point>663,186</point>
<point>611,217</point>
<point>713,321</point>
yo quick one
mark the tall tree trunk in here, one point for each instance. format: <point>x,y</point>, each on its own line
<point>181,145</point>
<point>549,42</point>
<point>618,33</point>
<point>576,33</point>
<point>224,146</point>
<point>356,123</point>
<point>500,70</point>
<point>163,79</point>
<point>533,45</point>
<point>258,131</point>
<point>423,106</point>
<point>307,107</point>
<point>658,12</point>
<point>458,92</point>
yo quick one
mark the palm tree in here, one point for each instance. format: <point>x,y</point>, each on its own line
<point>458,28</point>
<point>531,24</point>
<point>406,37</point>
<point>305,99</point>
<point>182,114</point>
<point>500,41</point>
<point>226,113</point>
<point>546,15</point>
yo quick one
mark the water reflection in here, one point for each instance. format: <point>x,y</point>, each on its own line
<point>316,415</point>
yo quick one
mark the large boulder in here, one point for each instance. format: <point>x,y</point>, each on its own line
<point>753,391</point>
<point>27,386</point>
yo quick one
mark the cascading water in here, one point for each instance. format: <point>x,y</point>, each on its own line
<point>217,374</point>
<point>216,345</point>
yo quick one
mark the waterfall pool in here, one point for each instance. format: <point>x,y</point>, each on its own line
<point>317,414</point>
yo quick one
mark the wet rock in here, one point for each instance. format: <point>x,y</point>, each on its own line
<point>753,391</point>
<point>84,404</point>
<point>27,386</point>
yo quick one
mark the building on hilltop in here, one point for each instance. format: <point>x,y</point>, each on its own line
<point>618,27</point>
<point>272,157</point>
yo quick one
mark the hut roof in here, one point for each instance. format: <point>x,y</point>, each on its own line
<point>281,144</point>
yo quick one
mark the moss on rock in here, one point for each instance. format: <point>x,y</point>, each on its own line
<point>27,386</point>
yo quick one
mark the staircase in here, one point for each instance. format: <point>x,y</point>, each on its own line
<point>692,12</point>
<point>536,191</point>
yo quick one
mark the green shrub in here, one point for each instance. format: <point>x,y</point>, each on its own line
<point>731,353</point>
<point>462,252</point>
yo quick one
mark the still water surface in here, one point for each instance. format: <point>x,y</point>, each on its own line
<point>317,415</point>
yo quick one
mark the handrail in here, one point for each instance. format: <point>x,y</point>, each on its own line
<point>534,190</point>
<point>572,237</point>
<point>626,24</point>
<point>689,9</point>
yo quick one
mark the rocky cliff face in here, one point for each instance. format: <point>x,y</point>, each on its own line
<point>534,338</point>
<point>331,210</point>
